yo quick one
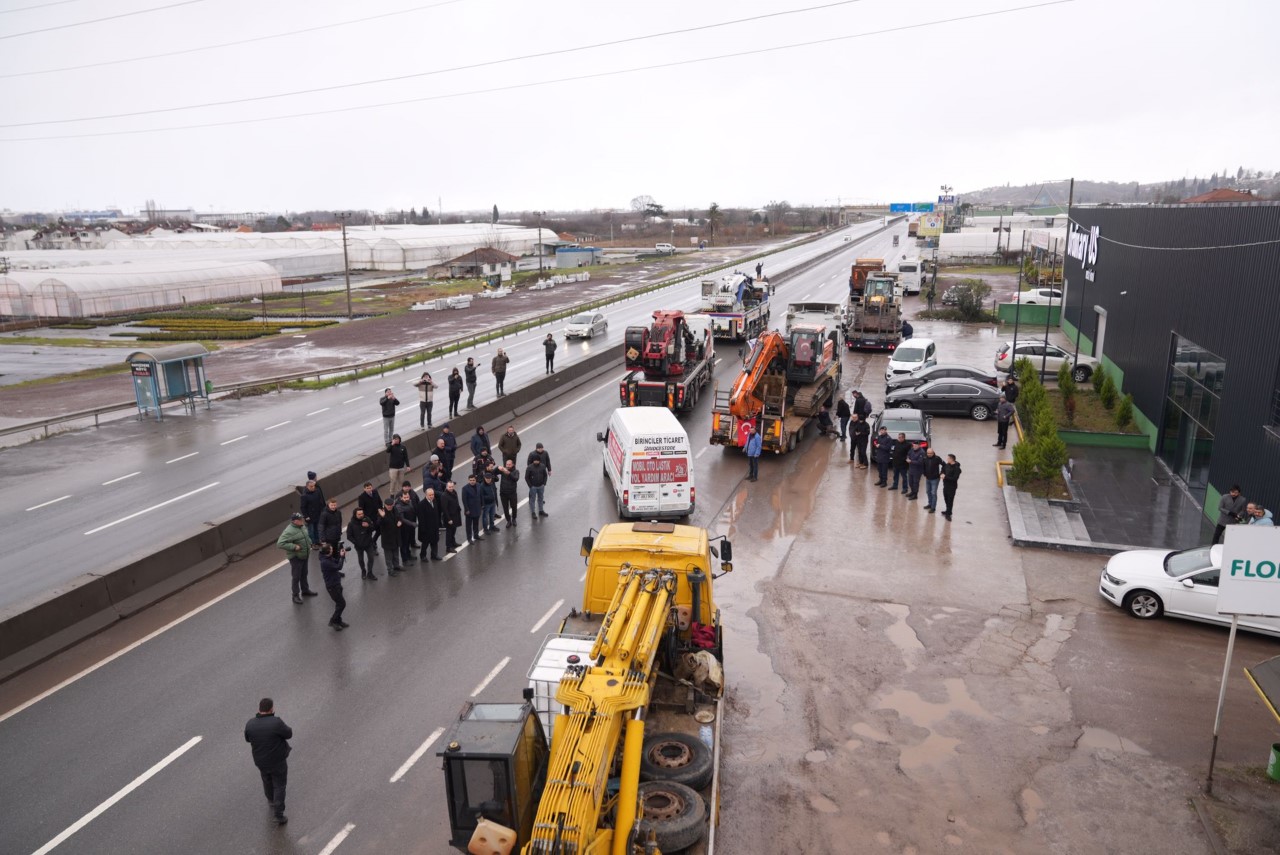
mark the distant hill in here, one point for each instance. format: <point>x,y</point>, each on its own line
<point>1264,184</point>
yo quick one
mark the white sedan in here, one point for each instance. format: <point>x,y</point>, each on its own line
<point>585,326</point>
<point>1148,583</point>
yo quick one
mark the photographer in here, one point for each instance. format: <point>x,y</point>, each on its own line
<point>331,561</point>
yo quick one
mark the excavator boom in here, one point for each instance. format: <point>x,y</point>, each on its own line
<point>768,357</point>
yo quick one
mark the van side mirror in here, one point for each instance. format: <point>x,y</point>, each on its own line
<point>599,436</point>
<point>587,543</point>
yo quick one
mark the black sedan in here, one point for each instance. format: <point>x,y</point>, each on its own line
<point>916,425</point>
<point>949,397</point>
<point>940,372</point>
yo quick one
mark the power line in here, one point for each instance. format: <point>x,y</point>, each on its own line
<point>403,77</point>
<point>38,6</point>
<point>553,81</point>
<point>96,20</point>
<point>173,53</point>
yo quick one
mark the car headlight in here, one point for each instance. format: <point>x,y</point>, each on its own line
<point>1112,579</point>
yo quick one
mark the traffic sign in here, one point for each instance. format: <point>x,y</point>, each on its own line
<point>922,207</point>
<point>900,208</point>
<point>946,200</point>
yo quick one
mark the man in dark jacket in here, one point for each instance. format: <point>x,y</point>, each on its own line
<point>915,469</point>
<point>900,449</point>
<point>369,501</point>
<point>388,402</point>
<point>535,475</point>
<point>331,561</point>
<point>469,372</point>
<point>450,454</point>
<point>549,345</point>
<point>1010,389</point>
<point>882,451</point>
<point>480,442</point>
<point>471,508</point>
<point>360,532</point>
<point>932,474</point>
<point>862,406</point>
<point>482,461</point>
<point>429,524</point>
<point>843,413</point>
<point>1004,415</point>
<point>488,500</point>
<point>950,480</point>
<point>861,433</point>
<point>508,481</point>
<point>331,524</point>
<point>1230,512</point>
<point>498,367</point>
<point>397,465</point>
<point>269,737</point>
<point>389,524</point>
<point>539,452</point>
<point>407,513</point>
<point>509,445</point>
<point>311,505</point>
<point>455,392</point>
<point>450,516</point>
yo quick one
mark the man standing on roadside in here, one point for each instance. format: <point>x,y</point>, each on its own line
<point>331,524</point>
<point>861,433</point>
<point>498,367</point>
<point>360,532</point>
<point>882,451</point>
<point>861,406</point>
<point>540,453</point>
<point>488,500</point>
<point>450,453</point>
<point>269,737</point>
<point>1004,415</point>
<point>480,442</point>
<point>369,501</point>
<point>1010,389</point>
<point>509,445</point>
<point>471,508</point>
<point>915,469</point>
<point>900,450</point>
<point>549,345</point>
<point>429,524</point>
<point>509,481</point>
<point>932,474</point>
<point>331,561</point>
<point>450,516</point>
<point>397,465</point>
<point>389,525</point>
<point>843,413</point>
<point>312,505</point>
<point>426,393</point>
<point>296,543</point>
<point>535,475</point>
<point>754,447</point>
<point>1231,510</point>
<point>388,402</point>
<point>950,480</point>
<point>469,370</point>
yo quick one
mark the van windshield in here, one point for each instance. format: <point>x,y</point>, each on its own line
<point>909,354</point>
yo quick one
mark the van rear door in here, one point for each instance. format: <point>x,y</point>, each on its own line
<point>660,479</point>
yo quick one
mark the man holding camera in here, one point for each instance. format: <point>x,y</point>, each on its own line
<point>331,560</point>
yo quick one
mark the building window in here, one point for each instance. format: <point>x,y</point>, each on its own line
<point>1193,399</point>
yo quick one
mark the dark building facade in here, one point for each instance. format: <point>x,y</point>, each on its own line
<point>1182,304</point>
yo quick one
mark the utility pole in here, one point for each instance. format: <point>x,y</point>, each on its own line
<point>539,243</point>
<point>346,265</point>
<point>1071,196</point>
<point>439,211</point>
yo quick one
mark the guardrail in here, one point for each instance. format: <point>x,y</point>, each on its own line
<point>398,360</point>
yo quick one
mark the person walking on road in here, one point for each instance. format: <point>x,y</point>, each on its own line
<point>269,737</point>
<point>882,452</point>
<point>950,479</point>
<point>915,469</point>
<point>429,525</point>
<point>1004,415</point>
<point>455,393</point>
<point>860,431</point>
<point>843,413</point>
<point>331,524</point>
<point>535,475</point>
<point>397,465</point>
<point>932,474</point>
<point>450,516</point>
<point>488,501</point>
<point>900,450</point>
<point>388,402</point>
<point>549,345</point>
<point>508,493</point>
<point>426,394</point>
<point>389,525</point>
<point>1231,511</point>
<point>331,561</point>
<point>498,368</point>
<point>470,371</point>
<point>360,532</point>
<point>311,505</point>
<point>754,447</point>
<point>296,543</point>
<point>509,445</point>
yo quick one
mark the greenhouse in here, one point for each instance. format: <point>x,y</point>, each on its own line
<point>289,263</point>
<point>94,291</point>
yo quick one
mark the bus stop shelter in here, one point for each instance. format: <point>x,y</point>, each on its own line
<point>179,366</point>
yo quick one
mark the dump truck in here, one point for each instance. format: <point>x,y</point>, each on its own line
<point>876,321</point>
<point>737,305</point>
<point>786,382</point>
<point>615,748</point>
<point>862,268</point>
<point>669,362</point>
<point>913,228</point>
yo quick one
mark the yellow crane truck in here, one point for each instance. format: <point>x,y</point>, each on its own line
<point>615,748</point>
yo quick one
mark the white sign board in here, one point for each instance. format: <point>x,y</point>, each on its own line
<point>1250,580</point>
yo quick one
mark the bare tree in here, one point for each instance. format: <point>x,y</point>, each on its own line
<point>640,204</point>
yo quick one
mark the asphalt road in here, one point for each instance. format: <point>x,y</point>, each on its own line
<point>96,500</point>
<point>361,702</point>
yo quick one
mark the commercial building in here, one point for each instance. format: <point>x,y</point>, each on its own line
<point>1182,305</point>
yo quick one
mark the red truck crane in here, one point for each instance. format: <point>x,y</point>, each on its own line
<point>670,361</point>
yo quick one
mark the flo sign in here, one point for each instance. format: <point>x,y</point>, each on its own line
<point>1083,247</point>
<point>1250,580</point>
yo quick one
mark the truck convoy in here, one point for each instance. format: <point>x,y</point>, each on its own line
<point>737,305</point>
<point>616,747</point>
<point>783,387</point>
<point>670,362</point>
<point>875,322</point>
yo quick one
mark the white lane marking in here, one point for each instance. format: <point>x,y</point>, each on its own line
<point>497,669</point>
<point>102,808</point>
<point>338,838</point>
<point>608,384</point>
<point>805,297</point>
<point>702,452</point>
<point>461,546</point>
<point>281,424</point>
<point>121,478</point>
<point>374,422</point>
<point>318,412</point>
<point>48,503</point>
<point>237,439</point>
<point>417,755</point>
<point>141,641</point>
<point>551,611</point>
<point>152,508</point>
<point>183,457</point>
<point>352,400</point>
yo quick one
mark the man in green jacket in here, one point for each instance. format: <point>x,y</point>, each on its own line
<point>296,543</point>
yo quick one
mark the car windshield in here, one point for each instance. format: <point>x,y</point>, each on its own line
<point>1187,561</point>
<point>580,319</point>
<point>897,426</point>
<point>909,354</point>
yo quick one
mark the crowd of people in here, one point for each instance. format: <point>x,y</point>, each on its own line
<point>1235,509</point>
<point>409,526</point>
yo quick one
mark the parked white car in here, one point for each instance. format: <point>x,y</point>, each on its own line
<point>1148,583</point>
<point>1050,356</point>
<point>912,355</point>
<point>586,325</point>
<point>1039,297</point>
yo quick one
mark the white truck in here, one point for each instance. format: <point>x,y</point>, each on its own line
<point>833,316</point>
<point>737,305</point>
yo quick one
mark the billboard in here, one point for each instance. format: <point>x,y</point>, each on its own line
<point>946,200</point>
<point>1250,579</point>
<point>899,207</point>
<point>930,225</point>
<point>922,207</point>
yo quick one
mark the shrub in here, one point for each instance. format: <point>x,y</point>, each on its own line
<point>1124,413</point>
<point>1066,384</point>
<point>1043,422</point>
<point>1052,453</point>
<point>1107,392</point>
<point>1097,378</point>
<point>1026,463</point>
<point>971,295</point>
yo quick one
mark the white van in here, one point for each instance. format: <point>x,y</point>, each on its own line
<point>911,355</point>
<point>665,248</point>
<point>909,275</point>
<point>647,459</point>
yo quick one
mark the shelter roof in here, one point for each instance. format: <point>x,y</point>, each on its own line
<point>484,255</point>
<point>171,353</point>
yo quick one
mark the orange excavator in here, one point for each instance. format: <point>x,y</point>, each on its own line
<point>786,382</point>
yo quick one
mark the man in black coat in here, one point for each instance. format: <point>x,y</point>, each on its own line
<point>843,413</point>
<point>508,481</point>
<point>469,370</point>
<point>311,505</point>
<point>370,502</point>
<point>450,516</point>
<point>270,737</point>
<point>331,524</point>
<point>862,406</point>
<point>471,507</point>
<point>407,513</point>
<point>429,524</point>
<point>360,532</point>
<point>882,450</point>
<point>389,524</point>
<point>900,450</point>
<point>549,345</point>
<point>861,433</point>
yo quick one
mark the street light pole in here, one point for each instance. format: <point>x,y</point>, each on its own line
<point>539,243</point>
<point>346,265</point>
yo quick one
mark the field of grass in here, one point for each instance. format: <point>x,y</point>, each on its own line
<point>52,341</point>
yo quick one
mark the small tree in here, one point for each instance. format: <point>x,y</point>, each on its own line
<point>971,296</point>
<point>1066,383</point>
<point>714,218</point>
<point>1124,413</point>
<point>1052,453</point>
<point>1107,393</point>
<point>495,215</point>
<point>1096,379</point>
<point>1026,463</point>
<point>1043,422</point>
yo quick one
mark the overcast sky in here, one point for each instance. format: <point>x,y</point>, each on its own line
<point>1099,89</point>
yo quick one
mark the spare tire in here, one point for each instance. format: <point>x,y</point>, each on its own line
<point>676,814</point>
<point>676,757</point>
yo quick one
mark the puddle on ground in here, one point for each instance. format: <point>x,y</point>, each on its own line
<point>1095,738</point>
<point>823,804</point>
<point>816,756</point>
<point>902,635</point>
<point>934,748</point>
<point>866,731</point>
<point>1031,805</point>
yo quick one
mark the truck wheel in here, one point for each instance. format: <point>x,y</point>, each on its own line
<point>676,757</point>
<point>676,814</point>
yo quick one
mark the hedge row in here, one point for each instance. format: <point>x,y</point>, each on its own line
<point>217,324</point>
<point>1041,454</point>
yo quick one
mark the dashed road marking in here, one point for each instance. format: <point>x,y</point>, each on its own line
<point>417,755</point>
<point>551,611</point>
<point>237,439</point>
<point>319,411</point>
<point>280,424</point>
<point>497,669</point>
<point>338,838</point>
<point>349,401</point>
<point>153,507</point>
<point>48,503</point>
<point>183,457</point>
<point>121,478</point>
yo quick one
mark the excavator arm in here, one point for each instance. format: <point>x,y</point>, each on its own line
<point>769,355</point>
